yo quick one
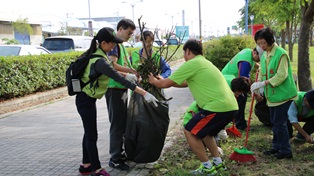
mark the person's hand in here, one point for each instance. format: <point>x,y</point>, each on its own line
<point>258,97</point>
<point>131,77</point>
<point>309,139</point>
<point>255,86</point>
<point>159,77</point>
<point>150,98</point>
<point>151,78</point>
<point>261,91</point>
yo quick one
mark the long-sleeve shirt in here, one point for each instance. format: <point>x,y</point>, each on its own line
<point>280,75</point>
<point>293,112</point>
<point>165,68</point>
<point>103,67</point>
<point>244,69</point>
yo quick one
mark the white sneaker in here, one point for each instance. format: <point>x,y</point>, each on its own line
<point>223,134</point>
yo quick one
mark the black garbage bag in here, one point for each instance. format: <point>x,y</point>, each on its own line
<point>146,129</point>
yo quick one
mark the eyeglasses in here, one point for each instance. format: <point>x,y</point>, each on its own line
<point>130,32</point>
<point>263,42</point>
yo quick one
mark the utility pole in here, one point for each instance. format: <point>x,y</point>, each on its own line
<point>200,19</point>
<point>90,23</point>
<point>246,16</point>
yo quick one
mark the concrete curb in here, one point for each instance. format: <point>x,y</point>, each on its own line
<point>31,101</point>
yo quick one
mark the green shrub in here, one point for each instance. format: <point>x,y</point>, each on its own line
<point>221,51</point>
<point>23,75</point>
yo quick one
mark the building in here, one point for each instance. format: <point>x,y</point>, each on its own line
<point>47,25</point>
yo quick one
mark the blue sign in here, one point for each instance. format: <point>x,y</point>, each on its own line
<point>183,33</point>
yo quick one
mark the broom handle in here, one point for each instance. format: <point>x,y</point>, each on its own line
<point>249,120</point>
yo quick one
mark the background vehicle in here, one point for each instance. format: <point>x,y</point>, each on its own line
<point>172,41</point>
<point>140,44</point>
<point>20,50</point>
<point>127,45</point>
<point>67,43</point>
<point>160,42</point>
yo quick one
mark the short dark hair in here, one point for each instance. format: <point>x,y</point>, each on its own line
<point>265,33</point>
<point>146,34</point>
<point>310,98</point>
<point>241,84</point>
<point>125,24</point>
<point>195,46</point>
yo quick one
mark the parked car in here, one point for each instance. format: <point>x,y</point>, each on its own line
<point>127,45</point>
<point>172,41</point>
<point>161,42</point>
<point>140,44</point>
<point>67,43</point>
<point>20,50</point>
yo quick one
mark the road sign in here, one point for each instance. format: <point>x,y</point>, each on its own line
<point>182,32</point>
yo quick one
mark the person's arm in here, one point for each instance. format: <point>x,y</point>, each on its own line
<point>292,114</point>
<point>165,68</point>
<point>244,69</point>
<point>103,67</point>
<point>114,56</point>
<point>160,83</point>
<point>121,68</point>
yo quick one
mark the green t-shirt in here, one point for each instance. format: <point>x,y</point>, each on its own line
<point>193,107</point>
<point>207,85</point>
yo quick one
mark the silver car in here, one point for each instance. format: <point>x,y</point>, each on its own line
<point>20,50</point>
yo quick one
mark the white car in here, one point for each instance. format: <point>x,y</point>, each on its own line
<point>127,45</point>
<point>20,50</point>
<point>140,45</point>
<point>67,43</point>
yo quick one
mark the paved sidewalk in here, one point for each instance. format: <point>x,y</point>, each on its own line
<point>46,140</point>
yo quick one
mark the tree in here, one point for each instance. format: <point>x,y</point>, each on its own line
<point>304,72</point>
<point>280,15</point>
<point>22,26</point>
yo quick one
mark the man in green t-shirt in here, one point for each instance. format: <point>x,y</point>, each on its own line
<point>217,104</point>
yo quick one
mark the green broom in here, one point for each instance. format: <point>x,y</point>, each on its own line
<point>244,155</point>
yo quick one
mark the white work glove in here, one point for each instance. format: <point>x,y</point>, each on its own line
<point>150,98</point>
<point>261,91</point>
<point>257,85</point>
<point>131,77</point>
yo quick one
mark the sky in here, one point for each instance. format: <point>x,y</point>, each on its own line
<point>216,15</point>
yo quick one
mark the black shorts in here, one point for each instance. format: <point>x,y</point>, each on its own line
<point>209,123</point>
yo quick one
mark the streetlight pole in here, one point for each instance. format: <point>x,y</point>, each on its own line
<point>132,5</point>
<point>246,16</point>
<point>90,23</point>
<point>200,19</point>
<point>252,18</point>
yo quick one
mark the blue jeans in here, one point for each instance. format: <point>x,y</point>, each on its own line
<point>86,107</point>
<point>279,119</point>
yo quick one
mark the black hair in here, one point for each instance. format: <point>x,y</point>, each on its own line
<point>241,84</point>
<point>267,34</point>
<point>195,46</point>
<point>255,50</point>
<point>146,34</point>
<point>125,24</point>
<point>100,37</point>
<point>92,48</point>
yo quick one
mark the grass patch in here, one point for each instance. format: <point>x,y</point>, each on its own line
<point>180,160</point>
